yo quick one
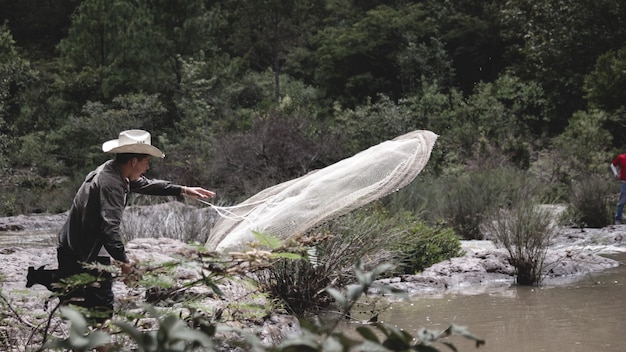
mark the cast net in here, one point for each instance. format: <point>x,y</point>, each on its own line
<point>296,206</point>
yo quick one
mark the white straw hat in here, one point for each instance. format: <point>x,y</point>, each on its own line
<point>132,141</point>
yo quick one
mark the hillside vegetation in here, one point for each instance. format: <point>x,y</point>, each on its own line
<point>242,95</point>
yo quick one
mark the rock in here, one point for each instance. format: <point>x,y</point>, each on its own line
<point>11,227</point>
<point>574,253</point>
<point>33,222</point>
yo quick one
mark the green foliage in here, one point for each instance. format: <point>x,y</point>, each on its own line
<point>374,235</point>
<point>267,33</point>
<point>584,146</point>
<point>115,45</point>
<point>35,152</point>
<point>606,84</point>
<point>373,123</point>
<point>173,333</point>
<point>205,78</point>
<point>472,196</point>
<point>98,121</point>
<point>592,201</point>
<point>31,193</point>
<point>15,74</point>
<point>357,49</point>
<point>498,118</point>
<point>463,202</point>
<point>333,248</point>
<point>8,205</point>
<point>545,49</point>
<point>80,337</point>
<point>14,71</point>
<point>422,246</point>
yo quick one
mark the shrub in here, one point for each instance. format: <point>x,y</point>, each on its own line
<point>199,334</point>
<point>277,148</point>
<point>364,234</point>
<point>472,196</point>
<point>590,202</point>
<point>422,246</point>
<point>174,220</point>
<point>525,230</point>
<point>371,235</point>
<point>35,194</point>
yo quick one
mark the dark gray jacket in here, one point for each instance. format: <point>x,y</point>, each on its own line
<point>96,213</point>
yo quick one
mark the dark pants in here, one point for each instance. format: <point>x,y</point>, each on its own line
<point>96,296</point>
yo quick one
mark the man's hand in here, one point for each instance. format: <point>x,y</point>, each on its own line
<point>130,273</point>
<point>127,268</point>
<point>197,192</point>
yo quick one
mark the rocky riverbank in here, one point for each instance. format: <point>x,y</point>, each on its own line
<point>575,252</point>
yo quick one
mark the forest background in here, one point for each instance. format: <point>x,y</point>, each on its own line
<point>242,95</point>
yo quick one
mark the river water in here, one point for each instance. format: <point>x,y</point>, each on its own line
<point>585,315</point>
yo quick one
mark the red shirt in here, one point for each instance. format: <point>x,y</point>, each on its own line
<point>620,161</point>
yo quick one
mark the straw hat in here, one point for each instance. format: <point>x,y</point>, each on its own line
<point>132,141</point>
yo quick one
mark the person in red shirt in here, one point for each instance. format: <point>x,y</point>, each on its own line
<point>620,162</point>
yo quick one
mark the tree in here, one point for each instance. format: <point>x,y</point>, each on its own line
<point>188,30</point>
<point>501,118</point>
<point>114,48</point>
<point>265,33</point>
<point>38,26</point>
<point>470,31</point>
<point>15,73</point>
<point>557,42</point>
<point>605,86</point>
<point>585,143</point>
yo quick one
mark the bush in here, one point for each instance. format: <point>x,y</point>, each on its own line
<point>365,235</point>
<point>471,197</point>
<point>197,333</point>
<point>422,246</point>
<point>591,203</point>
<point>525,230</point>
<point>35,194</point>
<point>277,148</point>
<point>174,220</point>
<point>372,236</point>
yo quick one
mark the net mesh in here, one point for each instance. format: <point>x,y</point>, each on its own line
<point>298,205</point>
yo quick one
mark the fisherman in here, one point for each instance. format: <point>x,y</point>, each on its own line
<point>91,233</point>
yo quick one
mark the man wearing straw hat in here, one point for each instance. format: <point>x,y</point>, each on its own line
<point>91,233</point>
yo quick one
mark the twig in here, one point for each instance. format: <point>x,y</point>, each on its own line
<point>48,323</point>
<point>17,316</point>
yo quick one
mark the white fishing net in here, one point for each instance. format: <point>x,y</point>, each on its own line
<point>296,206</point>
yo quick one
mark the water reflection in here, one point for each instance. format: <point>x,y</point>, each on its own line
<point>587,315</point>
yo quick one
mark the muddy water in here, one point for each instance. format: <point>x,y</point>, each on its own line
<point>585,315</point>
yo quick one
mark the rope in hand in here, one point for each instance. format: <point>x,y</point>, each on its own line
<point>225,212</point>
